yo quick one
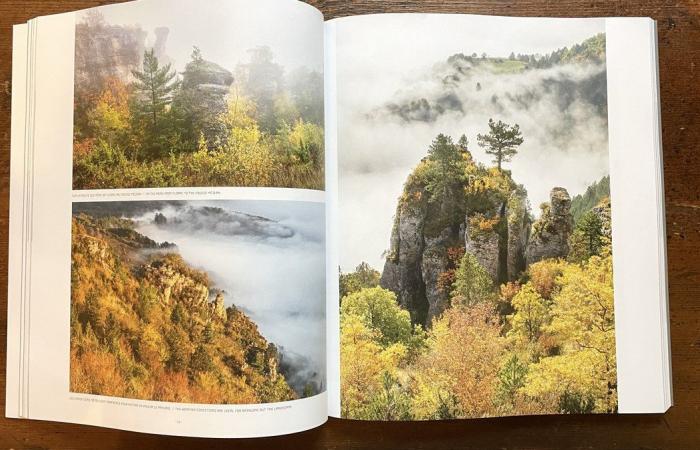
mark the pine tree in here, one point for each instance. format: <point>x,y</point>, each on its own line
<point>448,168</point>
<point>511,377</point>
<point>587,238</point>
<point>501,141</point>
<point>154,88</point>
<point>463,143</point>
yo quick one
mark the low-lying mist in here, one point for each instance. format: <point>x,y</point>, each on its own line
<point>268,258</point>
<point>387,120</point>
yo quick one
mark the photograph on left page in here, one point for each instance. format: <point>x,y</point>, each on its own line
<point>192,96</point>
<point>210,302</point>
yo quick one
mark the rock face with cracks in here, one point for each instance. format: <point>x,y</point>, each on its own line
<point>486,215</point>
<point>550,234</point>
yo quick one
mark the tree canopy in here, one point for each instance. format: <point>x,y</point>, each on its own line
<point>501,141</point>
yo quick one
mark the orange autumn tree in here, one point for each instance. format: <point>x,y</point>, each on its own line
<point>464,347</point>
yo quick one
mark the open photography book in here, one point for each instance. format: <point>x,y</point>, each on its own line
<point>236,219</point>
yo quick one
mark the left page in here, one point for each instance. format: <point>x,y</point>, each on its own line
<point>168,219</point>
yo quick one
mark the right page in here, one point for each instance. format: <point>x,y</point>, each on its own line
<point>493,175</point>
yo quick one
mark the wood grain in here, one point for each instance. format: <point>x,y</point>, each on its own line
<point>679,41</point>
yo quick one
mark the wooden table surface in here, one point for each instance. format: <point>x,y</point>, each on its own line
<point>679,49</point>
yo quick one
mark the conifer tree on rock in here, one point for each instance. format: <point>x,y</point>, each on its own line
<point>501,141</point>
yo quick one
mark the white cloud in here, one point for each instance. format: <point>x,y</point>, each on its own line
<point>396,59</point>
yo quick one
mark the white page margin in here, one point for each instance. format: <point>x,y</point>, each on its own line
<point>636,186</point>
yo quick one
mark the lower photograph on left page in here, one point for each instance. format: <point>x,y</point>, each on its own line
<point>210,302</point>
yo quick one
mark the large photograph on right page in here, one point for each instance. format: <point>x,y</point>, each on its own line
<point>474,220</point>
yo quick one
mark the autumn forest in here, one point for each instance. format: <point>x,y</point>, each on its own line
<point>481,310</point>
<point>140,123</point>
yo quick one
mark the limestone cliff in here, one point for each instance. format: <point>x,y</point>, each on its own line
<point>550,233</point>
<point>104,51</point>
<point>455,205</point>
<point>485,213</point>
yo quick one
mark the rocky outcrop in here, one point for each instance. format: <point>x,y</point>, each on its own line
<point>484,213</point>
<point>403,267</point>
<point>172,282</point>
<point>206,76</point>
<point>205,87</point>
<point>550,233</point>
<point>479,210</point>
<point>434,263</point>
<point>218,306</point>
<point>423,232</point>
<point>104,51</point>
<point>484,244</point>
<point>519,224</point>
<point>96,248</point>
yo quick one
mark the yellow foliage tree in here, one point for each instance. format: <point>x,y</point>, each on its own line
<point>531,313</point>
<point>111,113</point>
<point>583,376</point>
<point>364,363</point>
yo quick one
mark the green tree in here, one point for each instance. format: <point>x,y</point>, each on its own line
<point>378,310</point>
<point>263,80</point>
<point>177,317</point>
<point>308,391</point>
<point>305,143</point>
<point>587,238</point>
<point>208,333</point>
<point>154,88</point>
<point>178,349</point>
<point>147,300</point>
<point>448,167</point>
<point>511,377</point>
<point>576,403</point>
<point>501,141</point>
<point>363,365</point>
<point>463,143</point>
<point>364,276</point>
<point>391,402</point>
<point>472,283</point>
<point>201,360</point>
<point>594,195</point>
<point>306,90</point>
<point>93,313</point>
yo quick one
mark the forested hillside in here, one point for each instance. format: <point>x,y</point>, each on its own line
<point>595,193</point>
<point>592,50</point>
<point>145,325</point>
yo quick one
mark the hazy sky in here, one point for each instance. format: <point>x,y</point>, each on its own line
<point>226,29</point>
<point>274,271</point>
<point>396,59</point>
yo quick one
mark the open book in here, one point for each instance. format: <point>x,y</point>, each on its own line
<point>233,219</point>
